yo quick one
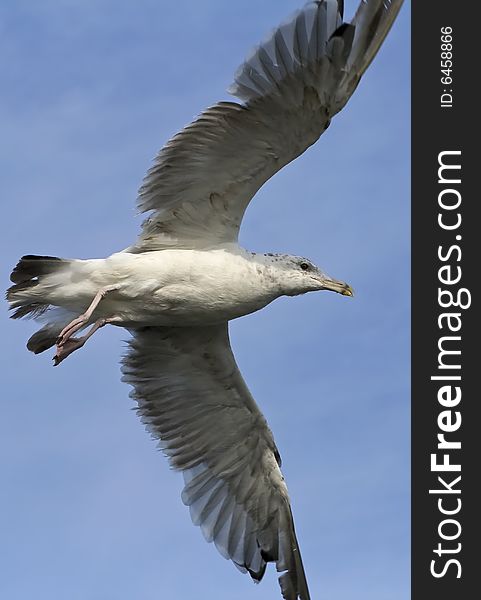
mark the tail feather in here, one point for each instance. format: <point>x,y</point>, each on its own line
<point>26,300</point>
<point>31,310</point>
<point>32,267</point>
<point>25,277</point>
<point>44,338</point>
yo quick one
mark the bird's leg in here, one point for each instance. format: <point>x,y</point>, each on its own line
<point>72,344</point>
<point>82,320</point>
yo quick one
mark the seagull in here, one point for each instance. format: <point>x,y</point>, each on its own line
<point>177,287</point>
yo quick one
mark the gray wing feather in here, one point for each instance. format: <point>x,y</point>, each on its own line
<point>193,400</point>
<point>291,85</point>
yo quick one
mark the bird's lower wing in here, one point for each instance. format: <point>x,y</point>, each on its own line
<point>204,178</point>
<point>193,399</point>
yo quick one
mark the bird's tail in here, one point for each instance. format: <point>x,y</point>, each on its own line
<point>27,298</point>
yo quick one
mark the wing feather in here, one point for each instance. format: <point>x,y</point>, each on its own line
<point>193,400</point>
<point>292,85</point>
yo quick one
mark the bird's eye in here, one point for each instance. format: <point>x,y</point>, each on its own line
<point>304,266</point>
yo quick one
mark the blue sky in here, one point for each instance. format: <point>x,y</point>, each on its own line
<point>89,510</point>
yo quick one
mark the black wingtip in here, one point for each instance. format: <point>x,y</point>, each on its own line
<point>342,29</point>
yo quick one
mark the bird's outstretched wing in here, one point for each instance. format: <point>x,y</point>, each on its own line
<point>292,85</point>
<point>193,399</point>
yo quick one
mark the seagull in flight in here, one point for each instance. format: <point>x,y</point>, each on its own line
<point>177,287</point>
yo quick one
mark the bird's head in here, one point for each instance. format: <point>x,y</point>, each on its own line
<point>297,275</point>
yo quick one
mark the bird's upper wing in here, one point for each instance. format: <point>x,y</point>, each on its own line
<point>205,176</point>
<point>193,399</point>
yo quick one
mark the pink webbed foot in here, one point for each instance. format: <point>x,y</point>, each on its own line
<point>66,348</point>
<point>67,345</point>
<point>68,331</point>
